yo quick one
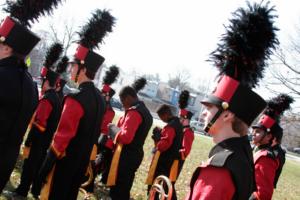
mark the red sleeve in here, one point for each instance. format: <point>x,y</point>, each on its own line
<point>43,112</point>
<point>68,123</point>
<point>187,142</point>
<point>166,139</point>
<point>213,183</point>
<point>130,125</point>
<point>265,169</point>
<point>107,118</point>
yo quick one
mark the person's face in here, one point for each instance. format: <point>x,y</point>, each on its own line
<point>208,113</point>
<point>58,88</point>
<point>5,51</point>
<point>164,117</point>
<point>126,102</point>
<point>73,69</point>
<point>184,121</point>
<point>45,86</point>
<point>259,136</point>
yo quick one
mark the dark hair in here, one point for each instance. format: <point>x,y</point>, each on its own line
<point>127,91</point>
<point>164,109</point>
<point>239,126</point>
<point>52,83</point>
<point>90,74</point>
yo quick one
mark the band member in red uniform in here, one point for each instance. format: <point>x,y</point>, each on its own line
<point>61,69</point>
<point>44,124</point>
<point>81,117</point>
<point>18,93</point>
<point>188,133</point>
<point>232,107</point>
<point>105,144</point>
<point>267,161</point>
<point>129,139</point>
<point>168,142</point>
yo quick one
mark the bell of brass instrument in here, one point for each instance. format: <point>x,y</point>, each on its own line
<point>162,187</point>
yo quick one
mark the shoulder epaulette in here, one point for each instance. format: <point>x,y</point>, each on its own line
<point>271,154</point>
<point>219,159</point>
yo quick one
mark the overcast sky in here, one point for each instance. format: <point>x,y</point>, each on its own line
<point>163,36</point>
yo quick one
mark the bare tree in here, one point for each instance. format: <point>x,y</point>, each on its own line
<point>64,33</point>
<point>180,79</point>
<point>37,55</point>
<point>153,77</point>
<point>285,68</point>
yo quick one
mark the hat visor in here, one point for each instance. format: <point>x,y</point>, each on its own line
<point>73,60</point>
<point>210,99</point>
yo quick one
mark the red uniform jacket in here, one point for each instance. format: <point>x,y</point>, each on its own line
<point>166,140</point>
<point>187,142</point>
<point>43,112</point>
<point>68,124</point>
<point>265,169</point>
<point>107,119</point>
<point>213,183</point>
<point>129,125</point>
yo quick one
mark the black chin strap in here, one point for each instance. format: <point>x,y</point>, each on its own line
<point>213,120</point>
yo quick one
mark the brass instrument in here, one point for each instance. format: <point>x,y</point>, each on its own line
<point>159,185</point>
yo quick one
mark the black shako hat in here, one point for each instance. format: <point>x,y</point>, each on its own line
<point>270,120</point>
<point>60,69</point>
<point>183,103</point>
<point>109,78</point>
<point>90,36</point>
<point>14,29</point>
<point>52,55</point>
<point>241,58</point>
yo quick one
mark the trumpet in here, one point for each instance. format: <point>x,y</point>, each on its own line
<point>160,185</point>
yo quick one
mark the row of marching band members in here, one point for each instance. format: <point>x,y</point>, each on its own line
<point>72,135</point>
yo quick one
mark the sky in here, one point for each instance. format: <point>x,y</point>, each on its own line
<point>165,36</point>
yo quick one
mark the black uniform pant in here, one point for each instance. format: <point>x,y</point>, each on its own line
<point>9,154</point>
<point>30,170</point>
<point>68,177</point>
<point>128,165</point>
<point>100,166</point>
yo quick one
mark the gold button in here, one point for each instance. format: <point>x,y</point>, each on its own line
<point>225,105</point>
<point>2,38</point>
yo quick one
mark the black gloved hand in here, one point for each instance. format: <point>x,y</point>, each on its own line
<point>102,141</point>
<point>99,162</point>
<point>47,166</point>
<point>112,131</point>
<point>156,134</point>
<point>154,150</point>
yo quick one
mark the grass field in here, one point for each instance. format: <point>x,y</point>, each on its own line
<point>287,188</point>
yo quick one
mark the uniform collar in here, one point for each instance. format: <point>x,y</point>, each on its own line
<point>87,84</point>
<point>264,146</point>
<point>230,144</point>
<point>11,61</point>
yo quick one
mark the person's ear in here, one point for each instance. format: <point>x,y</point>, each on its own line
<point>227,116</point>
<point>269,136</point>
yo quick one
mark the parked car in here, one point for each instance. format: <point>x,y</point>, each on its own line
<point>116,103</point>
<point>198,126</point>
<point>296,150</point>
